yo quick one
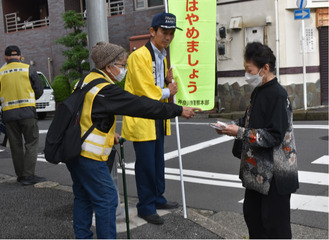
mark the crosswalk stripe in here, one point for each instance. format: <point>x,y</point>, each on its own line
<point>313,177</point>
<point>307,203</point>
<point>298,201</point>
<point>197,147</point>
<point>322,160</point>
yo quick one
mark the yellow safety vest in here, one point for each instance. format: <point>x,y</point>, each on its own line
<point>98,144</point>
<point>16,90</point>
<point>140,81</point>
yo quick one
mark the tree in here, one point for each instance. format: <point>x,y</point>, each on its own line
<point>76,42</point>
<point>61,87</point>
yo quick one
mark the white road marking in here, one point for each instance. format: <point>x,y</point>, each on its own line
<point>298,201</point>
<point>298,126</point>
<point>197,147</point>
<point>322,160</point>
<point>311,126</point>
<point>193,179</point>
<point>307,203</point>
<point>313,177</point>
<point>304,176</point>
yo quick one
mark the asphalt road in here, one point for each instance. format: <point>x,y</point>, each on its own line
<point>210,170</point>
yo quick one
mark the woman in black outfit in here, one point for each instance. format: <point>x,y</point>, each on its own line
<point>268,168</point>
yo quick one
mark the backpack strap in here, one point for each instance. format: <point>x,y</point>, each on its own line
<point>92,84</point>
<point>85,89</point>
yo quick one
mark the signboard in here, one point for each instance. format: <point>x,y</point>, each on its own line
<point>301,3</point>
<point>193,52</point>
<point>300,14</point>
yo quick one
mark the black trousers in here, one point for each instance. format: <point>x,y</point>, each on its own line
<point>24,153</point>
<point>267,216</point>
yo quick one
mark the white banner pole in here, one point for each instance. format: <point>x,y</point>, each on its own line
<point>180,165</point>
<point>179,148</point>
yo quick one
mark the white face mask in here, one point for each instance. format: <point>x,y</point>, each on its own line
<point>121,75</point>
<point>254,80</point>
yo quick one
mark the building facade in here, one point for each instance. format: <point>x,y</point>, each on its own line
<point>272,22</point>
<point>35,25</point>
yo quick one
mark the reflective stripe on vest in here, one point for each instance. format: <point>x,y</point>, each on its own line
<point>88,147</point>
<point>19,102</point>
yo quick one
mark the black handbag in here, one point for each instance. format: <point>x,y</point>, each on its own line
<point>237,148</point>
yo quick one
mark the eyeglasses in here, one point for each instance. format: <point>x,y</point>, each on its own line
<point>122,65</point>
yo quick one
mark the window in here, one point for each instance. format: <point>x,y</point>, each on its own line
<point>22,15</point>
<point>115,7</point>
<point>143,4</point>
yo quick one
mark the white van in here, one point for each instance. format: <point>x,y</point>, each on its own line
<point>46,103</point>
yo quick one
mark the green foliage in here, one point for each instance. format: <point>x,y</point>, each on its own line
<point>73,84</point>
<point>76,53</point>
<point>61,87</point>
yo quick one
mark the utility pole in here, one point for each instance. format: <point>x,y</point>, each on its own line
<point>97,26</point>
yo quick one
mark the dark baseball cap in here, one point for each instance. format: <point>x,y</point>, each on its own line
<point>12,50</point>
<point>165,20</point>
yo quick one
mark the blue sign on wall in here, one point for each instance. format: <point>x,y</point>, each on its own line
<point>303,13</point>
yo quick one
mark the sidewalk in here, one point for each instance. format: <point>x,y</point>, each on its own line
<point>45,211</point>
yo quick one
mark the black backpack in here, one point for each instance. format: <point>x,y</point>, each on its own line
<point>63,140</point>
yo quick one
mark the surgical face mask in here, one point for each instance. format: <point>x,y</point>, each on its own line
<point>254,80</point>
<point>121,75</point>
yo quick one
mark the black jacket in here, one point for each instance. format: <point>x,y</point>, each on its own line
<point>113,100</point>
<point>269,150</point>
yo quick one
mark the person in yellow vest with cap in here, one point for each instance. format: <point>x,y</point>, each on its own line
<point>148,75</point>
<point>20,86</point>
<point>93,186</point>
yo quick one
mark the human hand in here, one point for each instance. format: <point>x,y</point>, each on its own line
<point>170,75</point>
<point>116,138</point>
<point>172,88</point>
<point>219,131</point>
<point>189,112</point>
<point>218,126</point>
<point>230,130</point>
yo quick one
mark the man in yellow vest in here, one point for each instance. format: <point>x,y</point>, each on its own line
<point>20,86</point>
<point>148,75</point>
<point>93,186</point>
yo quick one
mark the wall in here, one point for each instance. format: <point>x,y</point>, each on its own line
<point>233,92</point>
<point>132,23</point>
<point>38,45</point>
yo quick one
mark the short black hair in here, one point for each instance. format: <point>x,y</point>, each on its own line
<point>260,55</point>
<point>155,28</point>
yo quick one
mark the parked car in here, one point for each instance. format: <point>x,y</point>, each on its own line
<point>46,103</point>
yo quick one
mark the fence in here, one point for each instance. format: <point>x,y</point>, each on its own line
<point>13,24</point>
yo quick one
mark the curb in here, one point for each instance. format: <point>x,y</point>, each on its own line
<point>320,113</point>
